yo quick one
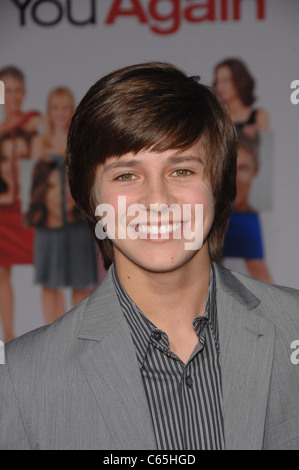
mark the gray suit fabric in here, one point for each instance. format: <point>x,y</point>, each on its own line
<point>76,383</point>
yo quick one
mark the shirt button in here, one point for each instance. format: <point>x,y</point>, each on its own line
<point>189,381</point>
<point>157,335</point>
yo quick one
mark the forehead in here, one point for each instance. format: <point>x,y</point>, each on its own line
<point>12,82</point>
<point>196,154</point>
<point>60,100</point>
<point>224,72</point>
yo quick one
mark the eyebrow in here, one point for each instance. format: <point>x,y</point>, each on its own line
<point>174,159</point>
<point>184,158</point>
<point>121,164</point>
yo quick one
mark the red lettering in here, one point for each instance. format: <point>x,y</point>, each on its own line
<point>165,16</point>
<point>209,16</point>
<point>173,16</point>
<point>260,7</point>
<point>236,10</point>
<point>116,11</point>
<point>224,10</point>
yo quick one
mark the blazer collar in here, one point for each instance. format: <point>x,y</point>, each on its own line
<point>102,312</point>
<point>246,350</point>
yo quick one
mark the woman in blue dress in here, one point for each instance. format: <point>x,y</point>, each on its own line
<point>244,235</point>
<point>235,85</point>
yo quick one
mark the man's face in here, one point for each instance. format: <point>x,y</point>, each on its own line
<point>150,179</point>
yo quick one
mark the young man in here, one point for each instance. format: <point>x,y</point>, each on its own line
<point>172,351</point>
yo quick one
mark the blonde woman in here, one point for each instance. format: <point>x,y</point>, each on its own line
<point>64,249</point>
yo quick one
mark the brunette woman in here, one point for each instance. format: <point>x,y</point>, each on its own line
<point>234,83</point>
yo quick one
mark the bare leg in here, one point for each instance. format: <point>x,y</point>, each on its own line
<point>79,294</point>
<point>6,302</point>
<point>53,304</point>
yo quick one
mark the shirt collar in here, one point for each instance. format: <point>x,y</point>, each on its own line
<point>144,332</point>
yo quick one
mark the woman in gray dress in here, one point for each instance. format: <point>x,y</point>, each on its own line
<point>64,248</point>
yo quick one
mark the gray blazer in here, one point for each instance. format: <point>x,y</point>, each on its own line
<point>76,383</point>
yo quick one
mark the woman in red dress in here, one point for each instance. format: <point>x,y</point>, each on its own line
<point>16,241</point>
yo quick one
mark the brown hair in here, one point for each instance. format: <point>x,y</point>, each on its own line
<point>12,71</point>
<point>151,106</point>
<point>20,134</point>
<point>37,213</point>
<point>242,79</point>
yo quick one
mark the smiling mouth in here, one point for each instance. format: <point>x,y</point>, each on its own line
<point>158,229</point>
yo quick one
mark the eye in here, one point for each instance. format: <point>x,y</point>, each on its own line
<point>182,172</point>
<point>126,177</point>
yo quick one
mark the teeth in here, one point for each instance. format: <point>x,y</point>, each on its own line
<point>155,229</point>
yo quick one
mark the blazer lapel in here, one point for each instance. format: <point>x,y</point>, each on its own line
<point>246,349</point>
<point>110,366</point>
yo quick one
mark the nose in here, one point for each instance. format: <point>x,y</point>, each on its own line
<point>157,192</point>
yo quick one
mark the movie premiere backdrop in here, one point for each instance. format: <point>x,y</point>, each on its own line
<point>52,51</point>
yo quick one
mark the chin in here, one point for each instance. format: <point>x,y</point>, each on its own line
<point>156,261</point>
<point>160,267</point>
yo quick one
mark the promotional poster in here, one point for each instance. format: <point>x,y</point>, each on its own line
<point>53,51</point>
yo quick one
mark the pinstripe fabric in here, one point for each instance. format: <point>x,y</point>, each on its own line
<point>185,400</point>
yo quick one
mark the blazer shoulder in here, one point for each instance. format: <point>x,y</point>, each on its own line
<point>280,302</point>
<point>47,340</point>
<point>264,288</point>
<point>59,340</point>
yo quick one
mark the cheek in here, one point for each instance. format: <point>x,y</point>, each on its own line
<point>105,197</point>
<point>105,207</point>
<point>209,208</point>
<point>52,115</point>
<point>244,177</point>
<point>204,195</point>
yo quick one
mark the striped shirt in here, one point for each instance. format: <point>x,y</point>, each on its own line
<point>185,400</point>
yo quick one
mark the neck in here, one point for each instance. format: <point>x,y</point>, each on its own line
<point>10,118</point>
<point>235,106</point>
<point>168,298</point>
<point>59,140</point>
<point>59,134</point>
